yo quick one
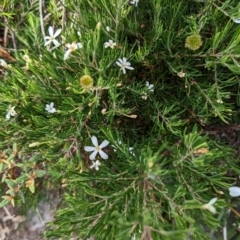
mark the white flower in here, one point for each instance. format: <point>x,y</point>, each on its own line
<point>110,44</point>
<point>134,2</point>
<point>50,108</point>
<point>97,149</point>
<point>123,64</point>
<point>181,74</point>
<point>10,112</point>
<point>234,191</point>
<point>71,48</point>
<point>95,165</point>
<point>52,36</point>
<point>108,28</point>
<point>3,63</point>
<point>236,20</point>
<point>209,206</point>
<point>150,86</point>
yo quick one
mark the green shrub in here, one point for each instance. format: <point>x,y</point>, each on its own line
<point>155,82</point>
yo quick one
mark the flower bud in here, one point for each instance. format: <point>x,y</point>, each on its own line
<point>104,110</point>
<point>98,25</point>
<point>35,144</point>
<point>193,42</point>
<point>86,81</point>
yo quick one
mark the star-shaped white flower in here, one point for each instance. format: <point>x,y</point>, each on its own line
<point>50,108</point>
<point>97,149</point>
<point>236,20</point>
<point>209,206</point>
<point>110,44</point>
<point>123,64</point>
<point>150,86</point>
<point>71,48</point>
<point>234,191</point>
<point>134,2</point>
<point>95,165</point>
<point>51,38</point>
<point>10,112</point>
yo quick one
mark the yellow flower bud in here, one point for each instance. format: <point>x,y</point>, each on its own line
<point>98,25</point>
<point>193,42</point>
<point>86,81</point>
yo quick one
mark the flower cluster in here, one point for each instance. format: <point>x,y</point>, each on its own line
<point>96,149</point>
<point>11,110</point>
<point>52,39</point>
<point>122,63</point>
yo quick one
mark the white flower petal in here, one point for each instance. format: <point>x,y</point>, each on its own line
<point>79,45</point>
<point>212,201</point>
<point>89,149</point>
<point>104,144</point>
<point>57,33</point>
<point>93,165</point>
<point>106,45</point>
<point>212,209</point>
<point>119,64</point>
<point>55,42</point>
<point>8,115</point>
<point>124,60</point>
<point>93,155</point>
<point>103,154</point>
<point>50,30</point>
<point>66,55</point>
<point>124,71</point>
<point>129,68</point>
<point>94,141</point>
<point>3,63</point>
<point>236,20</point>
<point>120,60</point>
<point>234,191</point>
<point>97,164</point>
<point>47,43</point>
<point>68,45</point>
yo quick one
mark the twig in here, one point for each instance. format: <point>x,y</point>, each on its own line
<point>41,17</point>
<point>63,16</point>
<point>13,40</point>
<point>5,36</point>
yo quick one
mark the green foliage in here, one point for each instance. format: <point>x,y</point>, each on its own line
<point>164,162</point>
